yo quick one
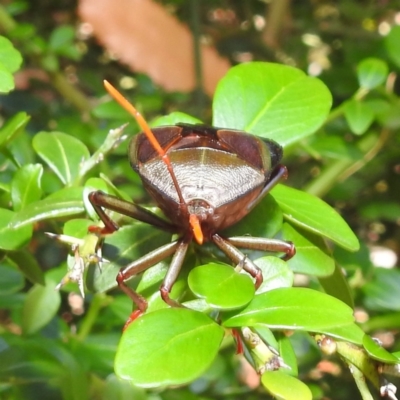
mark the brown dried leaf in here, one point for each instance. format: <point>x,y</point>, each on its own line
<point>144,36</point>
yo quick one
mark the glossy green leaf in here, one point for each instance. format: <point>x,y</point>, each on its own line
<point>359,116</point>
<point>350,333</point>
<point>265,220</point>
<point>381,293</point>
<point>312,256</point>
<point>392,44</point>
<point>63,203</point>
<point>285,387</point>
<point>221,286</point>
<point>40,306</point>
<point>167,347</point>
<point>28,265</point>
<point>276,273</point>
<point>377,352</point>
<point>294,308</point>
<point>12,238</point>
<point>286,351</point>
<point>10,58</point>
<point>11,280</point>
<point>14,126</point>
<point>271,100</point>
<point>26,185</point>
<point>63,153</point>
<point>313,214</point>
<point>175,118</point>
<point>372,72</point>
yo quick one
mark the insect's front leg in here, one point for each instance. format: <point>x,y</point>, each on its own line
<point>101,201</point>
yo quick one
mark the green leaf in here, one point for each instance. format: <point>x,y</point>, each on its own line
<point>6,80</point>
<point>392,44</point>
<point>377,352</point>
<point>358,115</point>
<point>175,118</point>
<point>11,280</point>
<point>312,256</point>
<point>63,203</point>
<point>276,273</point>
<point>12,238</point>
<point>40,306</point>
<point>382,292</point>
<point>285,387</point>
<point>63,153</point>
<point>313,214</point>
<point>286,351</point>
<point>10,58</point>
<point>221,286</point>
<point>271,100</point>
<point>255,226</point>
<point>61,36</point>
<point>337,286</point>
<point>350,333</point>
<point>111,110</point>
<point>28,265</point>
<point>294,308</point>
<point>14,126</point>
<point>371,72</point>
<point>167,347</point>
<point>26,185</point>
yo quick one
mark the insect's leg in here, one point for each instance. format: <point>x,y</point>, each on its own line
<point>139,266</point>
<point>173,271</point>
<point>263,244</point>
<point>239,258</point>
<point>279,173</point>
<point>101,201</point>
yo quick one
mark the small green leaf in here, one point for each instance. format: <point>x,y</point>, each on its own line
<point>358,115</point>
<point>14,126</point>
<point>28,265</point>
<point>372,72</point>
<point>286,351</point>
<point>175,118</point>
<point>63,153</point>
<point>271,100</point>
<point>111,110</point>
<point>294,308</point>
<point>392,44</point>
<point>313,214</point>
<point>337,286</point>
<point>221,286</point>
<point>6,80</point>
<point>377,352</point>
<point>63,203</point>
<point>40,306</point>
<point>381,293</point>
<point>11,280</point>
<point>10,58</point>
<point>61,36</point>
<point>26,185</point>
<point>12,238</point>
<point>312,256</point>
<point>276,273</point>
<point>167,347</point>
<point>285,387</point>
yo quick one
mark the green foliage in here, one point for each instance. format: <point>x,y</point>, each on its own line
<point>52,156</point>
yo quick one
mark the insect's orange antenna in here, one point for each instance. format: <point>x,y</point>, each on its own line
<point>124,103</point>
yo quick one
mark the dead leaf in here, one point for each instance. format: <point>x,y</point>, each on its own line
<point>143,35</point>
